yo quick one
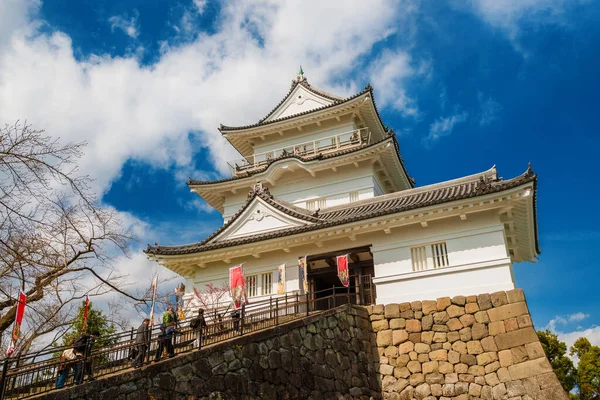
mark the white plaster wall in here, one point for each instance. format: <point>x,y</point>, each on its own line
<point>336,186</point>
<point>477,255</point>
<point>449,282</point>
<point>217,273</point>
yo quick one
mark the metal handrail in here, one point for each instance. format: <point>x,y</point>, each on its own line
<point>353,138</point>
<point>31,378</point>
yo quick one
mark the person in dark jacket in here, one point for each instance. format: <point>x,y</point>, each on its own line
<point>199,325</point>
<point>142,339</point>
<point>161,340</point>
<point>83,345</point>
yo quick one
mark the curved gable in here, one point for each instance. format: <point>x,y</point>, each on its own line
<point>258,217</point>
<point>298,101</point>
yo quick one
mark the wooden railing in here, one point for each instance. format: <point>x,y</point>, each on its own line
<point>344,140</point>
<point>29,375</point>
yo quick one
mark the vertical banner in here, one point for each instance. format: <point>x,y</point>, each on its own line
<point>18,321</point>
<point>303,273</point>
<point>85,314</point>
<point>153,300</point>
<point>342,270</point>
<point>281,279</point>
<point>237,286</point>
<point>179,299</point>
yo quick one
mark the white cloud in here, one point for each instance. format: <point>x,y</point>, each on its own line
<point>234,76</point>
<point>489,109</point>
<point>387,74</point>
<point>579,316</point>
<point>564,320</point>
<point>560,325</point>
<point>444,126</point>
<point>511,16</point>
<point>128,26</point>
<point>200,5</point>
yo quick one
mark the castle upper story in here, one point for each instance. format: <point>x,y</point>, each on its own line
<point>314,150</point>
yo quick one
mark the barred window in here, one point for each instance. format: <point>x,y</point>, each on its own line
<point>353,196</point>
<point>317,203</point>
<point>419,258</point>
<point>251,285</point>
<point>267,283</point>
<point>440,255</point>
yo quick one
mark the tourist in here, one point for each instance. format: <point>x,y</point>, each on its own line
<point>161,341</point>
<point>69,359</point>
<point>142,339</point>
<point>83,345</point>
<point>237,315</point>
<point>198,324</point>
<point>169,321</point>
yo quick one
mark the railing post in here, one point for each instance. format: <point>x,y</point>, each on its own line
<point>296,307</point>
<point>277,311</point>
<point>286,309</point>
<point>3,379</point>
<point>307,305</point>
<point>348,294</point>
<point>271,307</point>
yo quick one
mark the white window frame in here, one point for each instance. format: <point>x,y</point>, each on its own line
<point>439,255</point>
<point>418,257</point>
<point>319,203</point>
<point>266,283</point>
<point>353,196</point>
<point>252,290</point>
<point>429,256</point>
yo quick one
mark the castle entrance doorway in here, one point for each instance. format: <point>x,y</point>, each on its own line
<point>325,288</point>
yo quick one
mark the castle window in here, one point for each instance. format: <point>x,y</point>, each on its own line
<point>252,285</point>
<point>440,255</point>
<point>418,256</point>
<point>353,196</point>
<point>317,203</point>
<point>267,283</point>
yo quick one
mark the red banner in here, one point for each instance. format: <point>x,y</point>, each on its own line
<point>18,321</point>
<point>342,269</point>
<point>85,313</point>
<point>237,286</point>
<point>19,316</point>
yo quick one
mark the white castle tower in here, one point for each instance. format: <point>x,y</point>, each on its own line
<point>321,176</point>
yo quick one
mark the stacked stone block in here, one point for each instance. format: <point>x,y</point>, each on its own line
<point>473,347</point>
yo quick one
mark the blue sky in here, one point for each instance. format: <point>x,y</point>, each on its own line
<point>465,84</point>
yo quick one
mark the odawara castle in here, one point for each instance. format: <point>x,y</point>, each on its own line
<point>322,176</point>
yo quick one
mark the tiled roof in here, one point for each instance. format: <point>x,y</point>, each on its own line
<point>336,101</point>
<point>307,158</point>
<point>463,188</point>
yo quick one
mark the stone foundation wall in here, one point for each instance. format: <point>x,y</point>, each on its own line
<point>475,347</point>
<point>325,356</point>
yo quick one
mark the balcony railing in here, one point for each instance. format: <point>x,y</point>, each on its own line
<point>34,374</point>
<point>329,144</point>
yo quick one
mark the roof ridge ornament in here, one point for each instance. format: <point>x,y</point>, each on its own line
<point>259,189</point>
<point>483,185</point>
<point>300,77</point>
<point>529,173</point>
